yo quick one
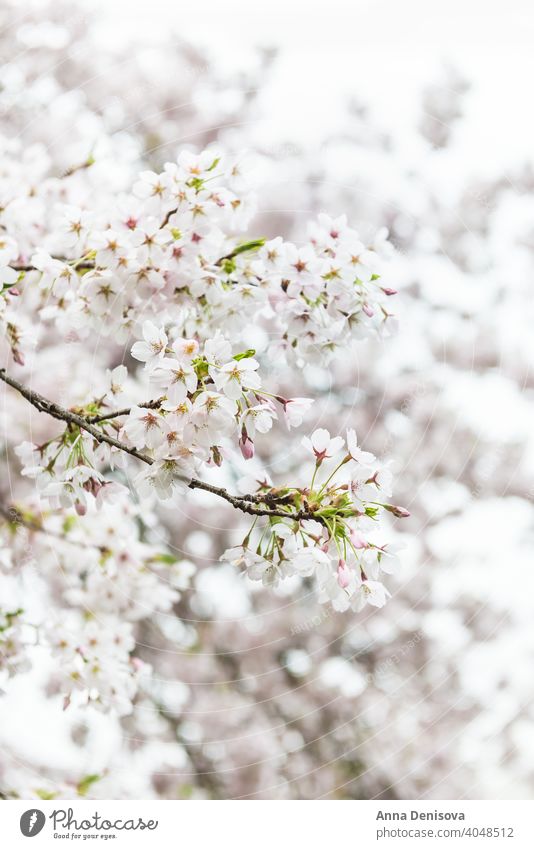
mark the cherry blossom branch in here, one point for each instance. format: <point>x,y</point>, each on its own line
<point>88,264</point>
<point>84,264</point>
<point>240,502</point>
<point>114,414</point>
<point>14,517</point>
<point>168,217</point>
<point>44,405</point>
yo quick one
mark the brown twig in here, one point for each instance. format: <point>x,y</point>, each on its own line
<point>52,409</point>
<point>114,414</point>
<point>85,265</point>
<point>247,504</point>
<point>12,515</point>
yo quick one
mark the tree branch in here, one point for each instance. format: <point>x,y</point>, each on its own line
<point>14,517</point>
<point>52,409</point>
<point>114,414</point>
<point>90,264</point>
<point>85,265</point>
<point>247,504</point>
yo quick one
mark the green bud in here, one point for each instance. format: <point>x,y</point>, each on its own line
<point>244,355</point>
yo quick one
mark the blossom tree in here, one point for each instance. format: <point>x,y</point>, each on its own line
<point>166,276</point>
<point>165,671</point>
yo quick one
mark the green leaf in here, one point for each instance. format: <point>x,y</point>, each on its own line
<point>168,559</point>
<point>228,265</point>
<point>186,791</point>
<point>68,523</point>
<point>297,500</point>
<point>201,367</point>
<point>253,245</point>
<point>83,786</point>
<point>9,616</point>
<point>45,795</point>
<point>195,183</point>
<point>244,355</point>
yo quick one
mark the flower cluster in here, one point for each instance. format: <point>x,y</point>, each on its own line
<point>336,546</point>
<point>105,579</point>
<point>169,252</point>
<point>65,471</point>
<point>204,401</point>
<point>162,270</point>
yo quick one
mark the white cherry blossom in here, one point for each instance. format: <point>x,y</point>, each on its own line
<point>322,445</point>
<point>153,346</point>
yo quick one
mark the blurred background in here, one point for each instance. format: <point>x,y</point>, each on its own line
<point>415,117</point>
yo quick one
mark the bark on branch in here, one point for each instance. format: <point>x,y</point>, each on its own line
<point>245,503</point>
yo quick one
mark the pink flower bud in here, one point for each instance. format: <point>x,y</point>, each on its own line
<point>93,486</point>
<point>368,310</point>
<point>247,447</point>
<point>343,574</point>
<point>387,291</point>
<point>399,512</point>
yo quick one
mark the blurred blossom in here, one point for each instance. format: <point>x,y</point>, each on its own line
<point>217,686</point>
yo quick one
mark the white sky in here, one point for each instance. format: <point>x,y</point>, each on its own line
<point>383,51</point>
